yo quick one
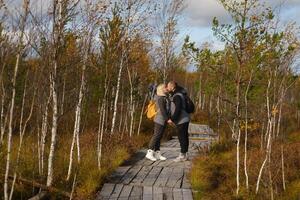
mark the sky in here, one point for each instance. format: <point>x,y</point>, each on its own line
<point>198,16</point>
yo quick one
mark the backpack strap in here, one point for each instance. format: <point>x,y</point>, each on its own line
<point>182,98</point>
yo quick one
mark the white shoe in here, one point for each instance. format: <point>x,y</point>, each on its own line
<point>158,156</point>
<point>150,155</point>
<point>181,158</point>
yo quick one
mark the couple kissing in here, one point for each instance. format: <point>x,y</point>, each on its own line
<point>173,106</point>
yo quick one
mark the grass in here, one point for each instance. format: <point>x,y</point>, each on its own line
<point>211,172</point>
<point>89,177</point>
<point>293,191</point>
<point>213,175</point>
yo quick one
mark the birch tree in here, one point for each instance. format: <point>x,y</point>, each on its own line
<point>166,28</point>
<point>92,21</point>
<point>135,16</point>
<point>62,11</point>
<point>20,48</point>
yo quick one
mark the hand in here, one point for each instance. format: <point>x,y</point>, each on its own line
<point>170,121</point>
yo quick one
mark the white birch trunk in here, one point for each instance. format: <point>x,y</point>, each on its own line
<point>100,133</point>
<point>282,168</point>
<point>22,133</point>
<point>9,137</point>
<point>203,102</point>
<point>12,102</point>
<point>44,132</point>
<point>54,126</point>
<point>115,107</point>
<point>3,119</point>
<point>265,160</point>
<point>279,120</point>
<point>63,97</point>
<point>141,115</point>
<point>56,31</point>
<point>269,133</point>
<point>238,161</point>
<point>246,132</point>
<point>237,129</point>
<point>121,113</point>
<point>78,109</point>
<point>269,168</point>
<point>131,103</point>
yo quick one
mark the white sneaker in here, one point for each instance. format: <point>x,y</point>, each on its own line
<point>150,155</point>
<point>181,158</point>
<point>158,156</point>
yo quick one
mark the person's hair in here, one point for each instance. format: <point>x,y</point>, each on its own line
<point>173,83</point>
<point>160,90</point>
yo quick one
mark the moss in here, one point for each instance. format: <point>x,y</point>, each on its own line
<point>292,192</point>
<point>294,137</point>
<point>222,146</point>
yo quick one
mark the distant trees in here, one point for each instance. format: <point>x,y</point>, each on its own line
<point>74,68</point>
<point>166,28</point>
<point>253,71</point>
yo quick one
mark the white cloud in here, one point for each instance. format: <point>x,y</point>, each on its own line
<point>199,13</point>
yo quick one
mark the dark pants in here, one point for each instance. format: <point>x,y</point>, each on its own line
<point>155,140</point>
<point>183,136</point>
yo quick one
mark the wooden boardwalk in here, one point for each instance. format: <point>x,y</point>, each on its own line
<point>141,179</point>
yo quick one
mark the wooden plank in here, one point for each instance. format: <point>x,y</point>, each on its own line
<point>125,192</point>
<point>166,162</point>
<point>141,175</point>
<point>136,193</point>
<point>163,177</point>
<point>157,193</point>
<point>177,164</point>
<point>167,144</point>
<point>152,176</point>
<point>116,193</point>
<point>147,162</point>
<point>199,129</point>
<point>127,178</point>
<point>141,162</point>
<point>173,154</point>
<point>187,194</point>
<point>175,179</point>
<point>177,194</point>
<point>185,180</point>
<point>106,191</point>
<point>147,193</point>
<point>176,144</point>
<point>180,176</point>
<point>167,193</point>
<point>117,175</point>
<point>159,180</point>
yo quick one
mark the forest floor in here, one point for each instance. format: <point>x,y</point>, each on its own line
<point>115,152</point>
<point>213,176</point>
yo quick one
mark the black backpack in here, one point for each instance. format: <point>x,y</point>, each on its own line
<point>189,105</point>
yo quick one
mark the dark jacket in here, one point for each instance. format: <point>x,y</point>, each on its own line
<point>178,111</point>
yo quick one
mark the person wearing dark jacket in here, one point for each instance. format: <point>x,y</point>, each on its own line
<point>160,123</point>
<point>179,117</point>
